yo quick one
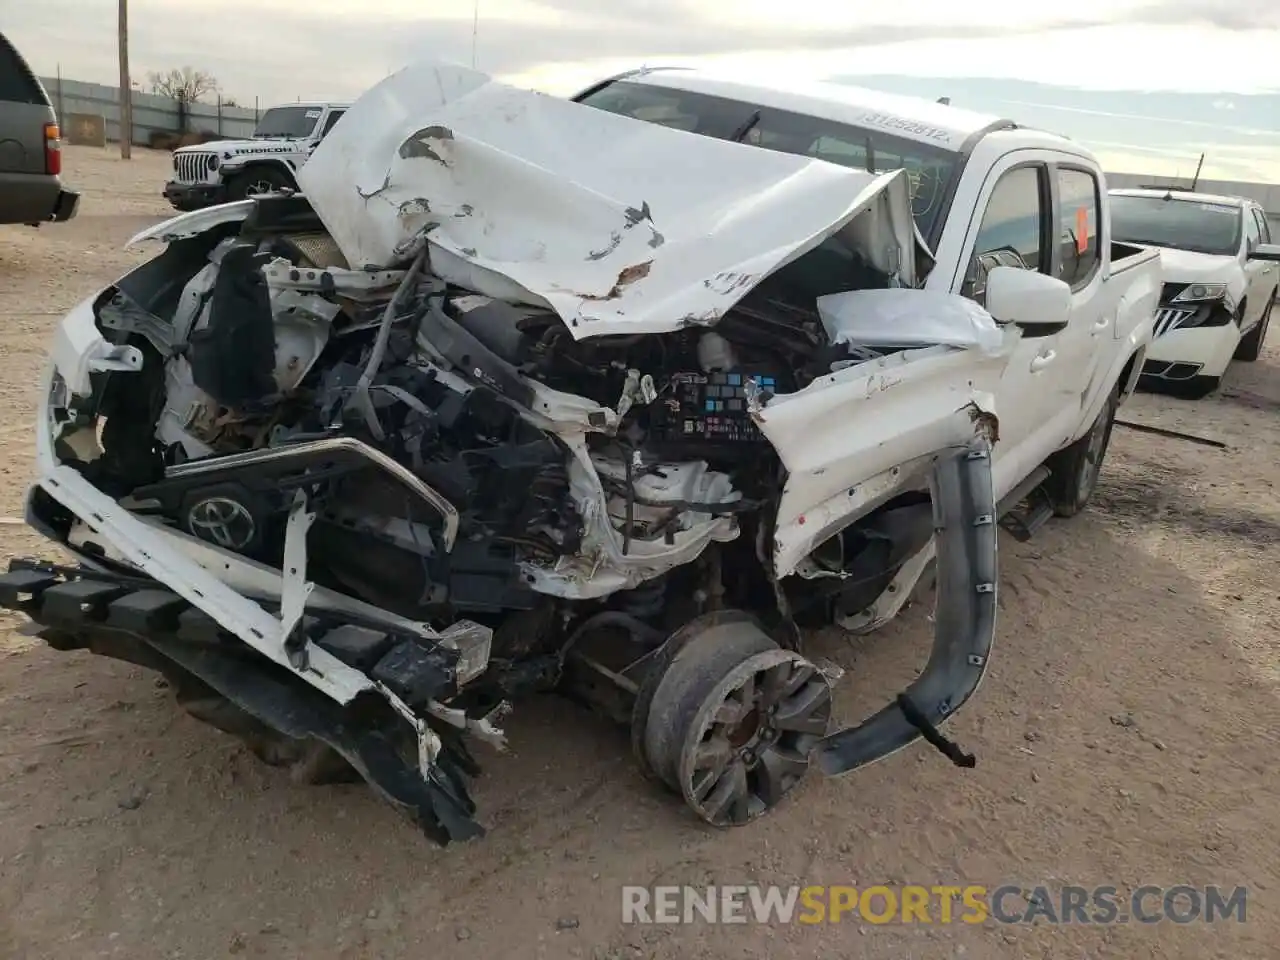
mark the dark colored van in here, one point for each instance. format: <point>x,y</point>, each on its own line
<point>30,148</point>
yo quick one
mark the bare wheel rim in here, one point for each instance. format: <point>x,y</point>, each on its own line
<point>749,743</point>
<point>710,652</point>
<point>649,687</point>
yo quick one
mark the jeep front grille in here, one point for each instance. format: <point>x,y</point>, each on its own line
<point>192,167</point>
<point>1169,319</point>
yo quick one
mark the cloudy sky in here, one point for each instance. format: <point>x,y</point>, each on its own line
<point>1148,83</point>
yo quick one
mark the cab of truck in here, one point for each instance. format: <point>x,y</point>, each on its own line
<point>31,190</point>
<point>997,207</point>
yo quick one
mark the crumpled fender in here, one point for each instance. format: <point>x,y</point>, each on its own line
<point>850,439</point>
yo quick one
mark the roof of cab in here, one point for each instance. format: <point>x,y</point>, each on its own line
<point>1178,194</point>
<point>911,118</point>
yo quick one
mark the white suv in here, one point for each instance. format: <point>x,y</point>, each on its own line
<point>226,170</point>
<point>1220,279</point>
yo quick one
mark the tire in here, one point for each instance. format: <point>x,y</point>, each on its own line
<point>733,720</point>
<point>657,672</point>
<point>1251,345</point>
<point>258,180</point>
<point>1073,472</point>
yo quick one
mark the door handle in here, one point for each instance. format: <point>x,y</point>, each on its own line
<point>1042,361</point>
<point>1102,324</point>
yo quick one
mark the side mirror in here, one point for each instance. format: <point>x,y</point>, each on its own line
<point>1034,301</point>
<point>1269,252</point>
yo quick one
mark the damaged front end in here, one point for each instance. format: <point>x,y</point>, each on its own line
<point>478,417</point>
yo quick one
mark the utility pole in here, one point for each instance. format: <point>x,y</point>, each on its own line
<point>126,89</point>
<point>475,30</point>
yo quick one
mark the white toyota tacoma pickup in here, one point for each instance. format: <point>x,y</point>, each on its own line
<point>268,162</point>
<point>1220,280</point>
<point>525,394</point>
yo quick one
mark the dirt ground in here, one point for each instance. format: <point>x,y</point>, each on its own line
<point>1126,735</point>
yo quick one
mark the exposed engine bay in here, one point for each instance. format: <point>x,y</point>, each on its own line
<point>363,508</point>
<point>263,357</point>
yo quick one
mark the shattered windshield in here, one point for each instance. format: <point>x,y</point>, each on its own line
<point>929,169</point>
<point>291,122</point>
<point>1181,224</point>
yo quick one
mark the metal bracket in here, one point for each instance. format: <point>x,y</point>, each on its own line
<point>295,589</point>
<point>121,313</point>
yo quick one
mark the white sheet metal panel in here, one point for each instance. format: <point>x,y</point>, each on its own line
<point>619,225</point>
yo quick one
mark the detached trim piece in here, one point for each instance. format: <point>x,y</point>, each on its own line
<point>439,805</point>
<point>136,620</point>
<point>964,624</point>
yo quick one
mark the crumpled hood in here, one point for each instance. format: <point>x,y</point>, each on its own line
<point>1185,266</point>
<point>618,225</point>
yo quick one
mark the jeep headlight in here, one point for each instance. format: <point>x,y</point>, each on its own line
<point>213,161</point>
<point>1198,292</point>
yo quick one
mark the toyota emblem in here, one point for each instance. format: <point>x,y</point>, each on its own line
<point>223,521</point>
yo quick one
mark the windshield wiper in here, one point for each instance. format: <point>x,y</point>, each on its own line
<point>745,127</point>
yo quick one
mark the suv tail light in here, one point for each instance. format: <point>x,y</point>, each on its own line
<point>52,149</point>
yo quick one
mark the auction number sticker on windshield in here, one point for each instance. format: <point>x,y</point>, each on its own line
<point>888,121</point>
<point>312,114</point>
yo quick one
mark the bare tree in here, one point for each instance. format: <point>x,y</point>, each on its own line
<point>186,85</point>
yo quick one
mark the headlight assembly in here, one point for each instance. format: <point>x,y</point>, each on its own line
<point>1199,292</point>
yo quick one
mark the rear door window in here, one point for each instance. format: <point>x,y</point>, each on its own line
<point>17,83</point>
<point>1077,227</point>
